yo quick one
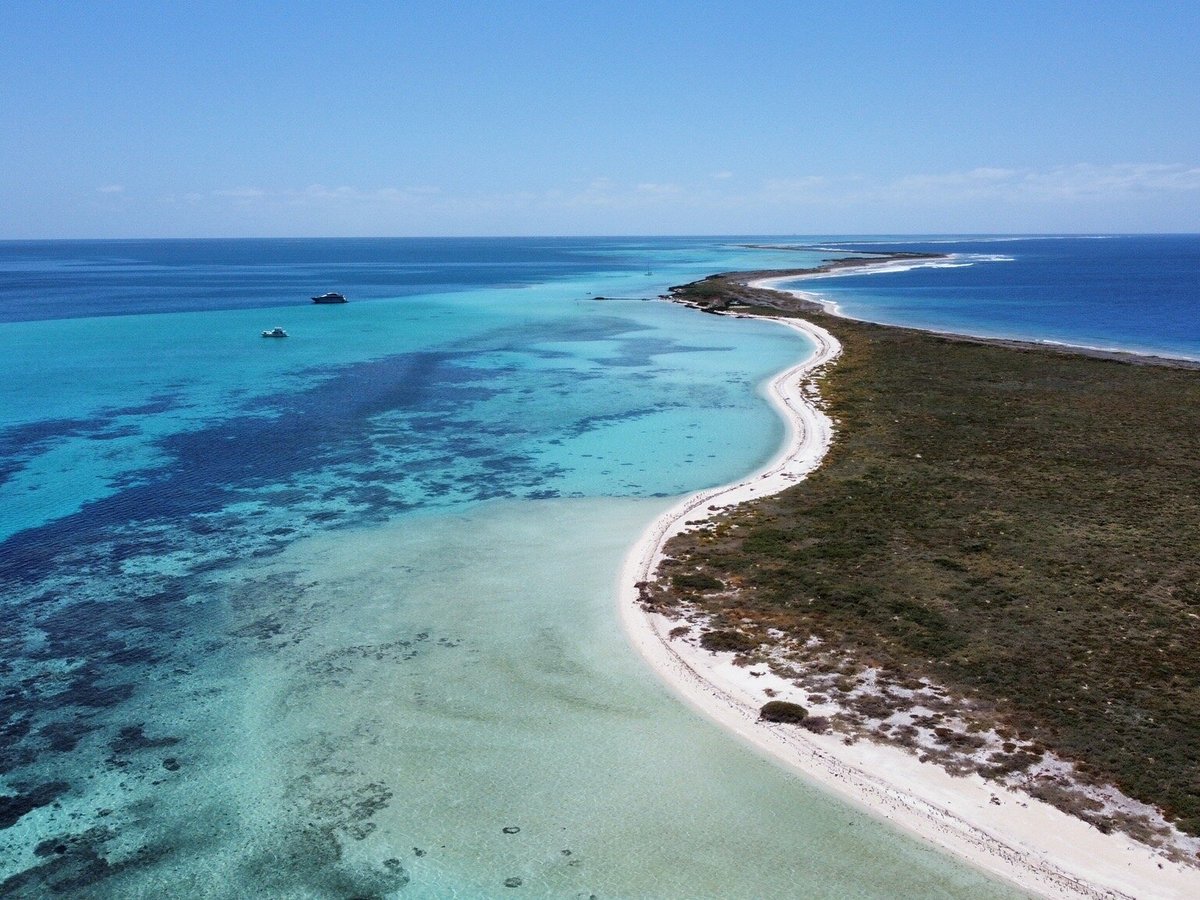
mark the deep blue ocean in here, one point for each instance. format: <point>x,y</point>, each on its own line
<point>323,616</point>
<point>1138,293</point>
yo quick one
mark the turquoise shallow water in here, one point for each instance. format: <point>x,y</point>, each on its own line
<point>322,617</point>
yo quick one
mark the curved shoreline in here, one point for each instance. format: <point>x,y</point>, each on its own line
<point>1023,841</point>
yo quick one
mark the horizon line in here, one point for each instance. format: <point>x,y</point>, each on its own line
<point>625,236</point>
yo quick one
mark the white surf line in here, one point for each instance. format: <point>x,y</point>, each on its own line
<point>1024,841</point>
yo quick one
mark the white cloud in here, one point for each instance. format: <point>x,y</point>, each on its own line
<point>243,193</point>
<point>1084,196</point>
<point>659,190</point>
<point>110,189</point>
<point>980,186</point>
<point>1084,181</point>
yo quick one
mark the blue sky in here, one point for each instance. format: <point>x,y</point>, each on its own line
<point>413,118</point>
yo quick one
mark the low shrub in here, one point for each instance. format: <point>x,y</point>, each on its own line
<point>728,642</point>
<point>782,711</point>
<point>696,581</point>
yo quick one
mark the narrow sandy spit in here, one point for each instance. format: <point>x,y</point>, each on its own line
<point>1024,841</point>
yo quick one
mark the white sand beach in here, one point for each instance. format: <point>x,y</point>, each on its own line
<point>1011,835</point>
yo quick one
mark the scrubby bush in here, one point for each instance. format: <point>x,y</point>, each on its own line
<point>727,642</point>
<point>782,711</point>
<point>696,581</point>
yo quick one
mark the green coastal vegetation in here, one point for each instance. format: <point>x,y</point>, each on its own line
<point>1015,523</point>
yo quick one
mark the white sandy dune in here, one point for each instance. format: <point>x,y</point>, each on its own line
<point>1024,841</point>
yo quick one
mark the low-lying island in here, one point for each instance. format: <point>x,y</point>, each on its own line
<point>983,597</point>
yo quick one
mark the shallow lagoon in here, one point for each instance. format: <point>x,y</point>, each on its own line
<point>322,617</point>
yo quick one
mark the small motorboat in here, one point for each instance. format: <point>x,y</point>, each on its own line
<point>331,297</point>
<point>275,332</point>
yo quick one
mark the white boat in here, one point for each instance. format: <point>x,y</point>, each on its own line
<point>275,332</point>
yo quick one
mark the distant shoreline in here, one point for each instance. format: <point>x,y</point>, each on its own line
<point>760,288</point>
